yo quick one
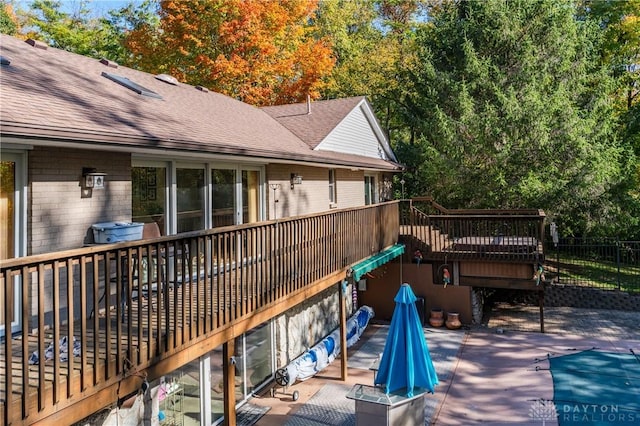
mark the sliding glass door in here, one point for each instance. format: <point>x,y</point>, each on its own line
<point>235,196</point>
<point>185,197</point>
<point>255,364</point>
<point>251,208</point>
<point>190,199</point>
<point>149,198</point>
<point>12,230</point>
<point>223,197</point>
<point>370,190</point>
<point>7,209</point>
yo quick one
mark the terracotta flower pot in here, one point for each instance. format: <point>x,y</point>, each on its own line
<point>437,318</point>
<point>453,321</point>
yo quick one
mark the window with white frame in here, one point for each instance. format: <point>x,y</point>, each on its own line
<point>370,190</point>
<point>13,226</point>
<point>333,195</point>
<point>179,195</point>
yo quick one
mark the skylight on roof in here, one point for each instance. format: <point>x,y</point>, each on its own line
<point>124,81</point>
<point>167,79</point>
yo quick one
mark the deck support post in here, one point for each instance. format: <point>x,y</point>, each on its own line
<point>229,379</point>
<point>541,304</point>
<point>343,330</point>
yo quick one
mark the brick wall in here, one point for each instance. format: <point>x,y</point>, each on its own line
<point>61,215</point>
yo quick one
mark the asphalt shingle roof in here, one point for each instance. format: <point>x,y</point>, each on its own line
<point>314,121</point>
<point>57,95</point>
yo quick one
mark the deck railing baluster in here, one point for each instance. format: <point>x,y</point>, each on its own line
<point>205,282</point>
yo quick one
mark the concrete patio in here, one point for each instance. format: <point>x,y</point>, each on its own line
<point>491,374</point>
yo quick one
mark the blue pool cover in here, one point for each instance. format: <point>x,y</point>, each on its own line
<point>596,388</point>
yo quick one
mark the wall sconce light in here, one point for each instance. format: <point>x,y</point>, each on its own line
<point>296,179</point>
<point>92,179</point>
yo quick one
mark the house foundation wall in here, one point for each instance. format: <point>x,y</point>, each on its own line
<point>383,283</point>
<point>303,326</point>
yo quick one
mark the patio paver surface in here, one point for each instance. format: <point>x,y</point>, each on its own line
<point>499,375</point>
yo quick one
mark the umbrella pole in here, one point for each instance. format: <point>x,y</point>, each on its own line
<point>401,268</point>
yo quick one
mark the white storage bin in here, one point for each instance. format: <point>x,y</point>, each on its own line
<point>114,232</point>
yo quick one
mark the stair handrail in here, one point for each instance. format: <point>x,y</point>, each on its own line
<point>429,200</point>
<point>481,212</point>
<point>419,218</point>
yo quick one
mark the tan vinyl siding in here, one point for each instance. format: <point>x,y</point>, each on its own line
<point>312,196</point>
<point>59,217</point>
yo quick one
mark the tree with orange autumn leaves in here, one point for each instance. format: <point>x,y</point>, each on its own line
<point>259,51</point>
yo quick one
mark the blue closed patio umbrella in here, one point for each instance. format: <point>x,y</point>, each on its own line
<point>406,363</point>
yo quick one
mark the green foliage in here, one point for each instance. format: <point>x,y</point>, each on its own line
<point>373,42</point>
<point>62,30</point>
<point>515,110</point>
<point>119,22</point>
<point>80,32</point>
<point>8,21</point>
<point>619,22</point>
<point>350,26</point>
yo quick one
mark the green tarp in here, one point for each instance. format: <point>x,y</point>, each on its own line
<point>358,270</point>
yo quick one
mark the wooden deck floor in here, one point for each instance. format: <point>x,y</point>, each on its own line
<point>112,343</point>
<point>122,336</point>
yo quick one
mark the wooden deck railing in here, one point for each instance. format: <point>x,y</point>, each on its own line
<point>126,307</point>
<point>487,235</point>
<point>133,306</point>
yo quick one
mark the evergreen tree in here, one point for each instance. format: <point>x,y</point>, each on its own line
<point>513,111</point>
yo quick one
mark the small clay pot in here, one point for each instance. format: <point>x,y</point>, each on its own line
<point>437,318</point>
<point>453,321</point>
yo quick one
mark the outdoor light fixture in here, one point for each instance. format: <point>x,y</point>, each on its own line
<point>92,179</point>
<point>296,179</point>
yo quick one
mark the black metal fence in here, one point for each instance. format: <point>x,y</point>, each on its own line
<point>607,264</point>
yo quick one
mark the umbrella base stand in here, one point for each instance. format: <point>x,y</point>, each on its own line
<point>375,408</point>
